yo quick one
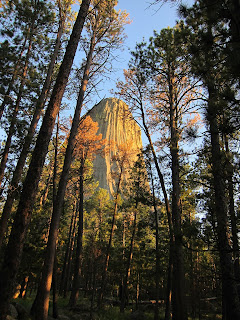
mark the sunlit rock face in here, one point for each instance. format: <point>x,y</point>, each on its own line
<point>120,130</point>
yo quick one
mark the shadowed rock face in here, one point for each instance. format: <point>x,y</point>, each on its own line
<point>118,127</point>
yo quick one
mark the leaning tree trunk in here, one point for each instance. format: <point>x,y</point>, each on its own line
<point>41,307</point>
<point>14,249</point>
<point>14,185</point>
<point>229,285</point>
<point>55,280</point>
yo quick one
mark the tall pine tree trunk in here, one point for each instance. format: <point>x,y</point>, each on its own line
<point>128,267</point>
<point>107,257</point>
<point>232,213</point>
<point>168,299</point>
<point>14,249</point>
<point>157,255</point>
<point>169,217</point>
<point>78,258</point>
<point>178,284</point>
<point>41,307</point>
<point>55,280</point>
<point>68,248</point>
<point>229,285</point>
<point>66,283</point>
<point>13,188</point>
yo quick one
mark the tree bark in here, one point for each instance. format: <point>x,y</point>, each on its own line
<point>169,216</point>
<point>41,307</point>
<point>128,267</point>
<point>14,185</point>
<point>55,290</point>
<point>229,285</point>
<point>70,258</point>
<point>232,214</point>
<point>178,285</point>
<point>54,281</point>
<point>13,253</point>
<point>157,271</point>
<point>68,249</point>
<point>168,299</point>
<point>78,259</point>
<point>106,262</point>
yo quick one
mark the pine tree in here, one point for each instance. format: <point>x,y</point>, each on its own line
<point>208,59</point>
<point>15,245</point>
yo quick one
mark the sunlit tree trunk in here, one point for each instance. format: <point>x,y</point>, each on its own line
<point>24,287</point>
<point>14,249</point>
<point>42,306</point>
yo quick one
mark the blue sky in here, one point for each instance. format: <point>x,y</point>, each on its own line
<point>145,19</point>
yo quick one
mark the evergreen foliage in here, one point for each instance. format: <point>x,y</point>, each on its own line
<point>166,244</point>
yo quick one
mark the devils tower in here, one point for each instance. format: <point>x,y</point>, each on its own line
<point>117,126</point>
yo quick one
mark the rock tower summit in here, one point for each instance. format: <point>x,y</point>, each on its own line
<point>117,126</point>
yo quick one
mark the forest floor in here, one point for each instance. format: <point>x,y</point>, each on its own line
<point>109,312</point>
